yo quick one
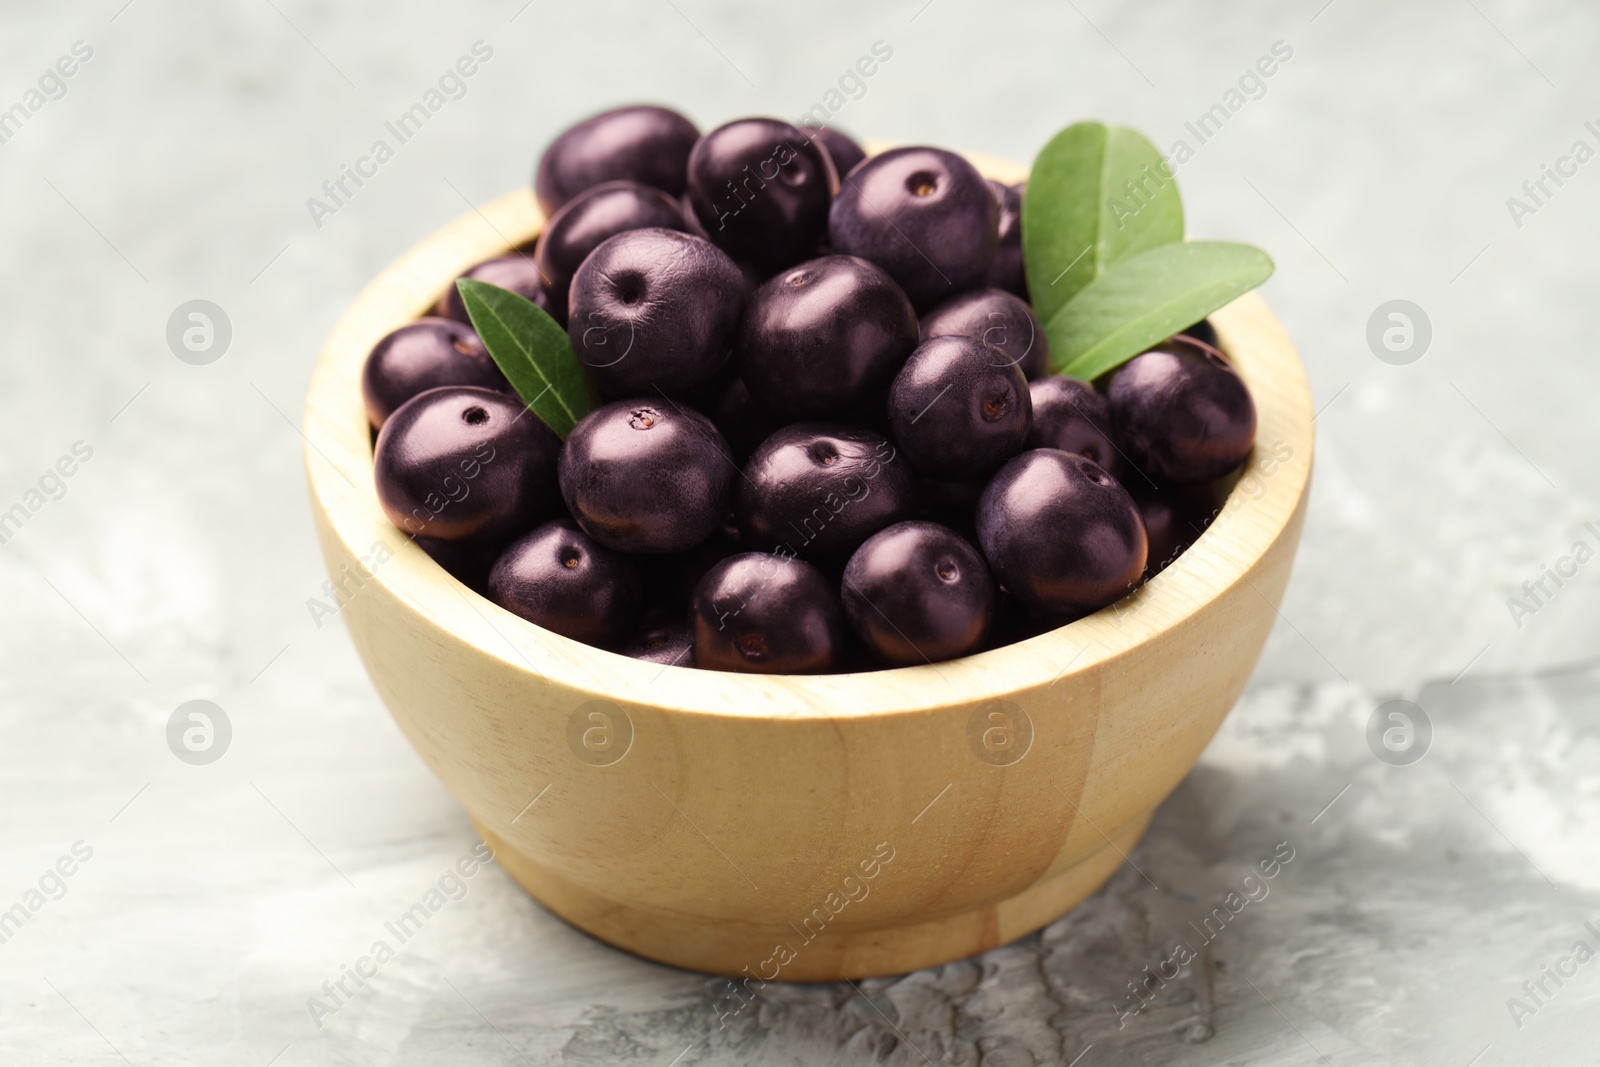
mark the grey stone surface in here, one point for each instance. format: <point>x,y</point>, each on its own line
<point>175,563</point>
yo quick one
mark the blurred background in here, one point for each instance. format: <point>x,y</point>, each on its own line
<point>1399,153</point>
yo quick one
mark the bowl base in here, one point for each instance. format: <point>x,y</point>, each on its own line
<point>749,952</point>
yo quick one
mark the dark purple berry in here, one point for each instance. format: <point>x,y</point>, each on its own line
<point>590,218</point>
<point>924,215</point>
<point>557,578</point>
<point>1174,518</point>
<point>1060,533</point>
<point>998,319</point>
<point>519,273</point>
<point>461,462</point>
<point>917,593</point>
<point>1006,271</point>
<point>1181,413</point>
<point>662,640</point>
<point>761,191</point>
<point>424,355</point>
<point>759,613</point>
<point>959,409</point>
<point>637,144</point>
<point>824,339</point>
<point>646,476</point>
<point>1070,414</point>
<point>654,311</point>
<point>841,148</point>
<point>819,491</point>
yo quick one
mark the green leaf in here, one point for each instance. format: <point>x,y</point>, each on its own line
<point>1097,195</point>
<point>1144,300</point>
<point>533,352</point>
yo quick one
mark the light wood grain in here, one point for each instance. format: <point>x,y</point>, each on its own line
<point>746,804</point>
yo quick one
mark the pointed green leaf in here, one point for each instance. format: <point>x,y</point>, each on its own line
<point>1142,301</point>
<point>1097,195</point>
<point>533,352</point>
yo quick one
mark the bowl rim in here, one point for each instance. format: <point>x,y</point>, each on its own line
<point>339,469</point>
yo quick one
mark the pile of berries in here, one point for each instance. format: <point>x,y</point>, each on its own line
<point>829,436</point>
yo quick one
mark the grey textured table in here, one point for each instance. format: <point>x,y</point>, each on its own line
<point>175,563</point>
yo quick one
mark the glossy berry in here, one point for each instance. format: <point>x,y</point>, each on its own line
<point>924,215</point>
<point>1006,271</point>
<point>1060,533</point>
<point>597,213</point>
<point>825,338</point>
<point>662,640</point>
<point>1174,518</point>
<point>996,318</point>
<point>424,355</point>
<point>557,578</point>
<point>646,476</point>
<point>638,144</point>
<point>462,462</point>
<point>654,311</point>
<point>759,613</point>
<point>1182,413</point>
<point>819,491</point>
<point>959,409</point>
<point>1070,414</point>
<point>761,190</point>
<point>841,148</point>
<point>917,593</point>
<point>519,273</point>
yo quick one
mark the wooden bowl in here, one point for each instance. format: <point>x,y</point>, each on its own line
<point>816,827</point>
